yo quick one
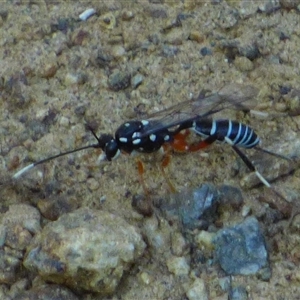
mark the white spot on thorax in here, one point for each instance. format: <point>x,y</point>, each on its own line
<point>136,142</point>
<point>152,137</point>
<point>123,139</point>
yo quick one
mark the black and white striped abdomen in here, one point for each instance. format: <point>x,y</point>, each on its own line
<point>232,132</point>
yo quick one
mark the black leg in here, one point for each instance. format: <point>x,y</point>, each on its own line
<point>250,166</point>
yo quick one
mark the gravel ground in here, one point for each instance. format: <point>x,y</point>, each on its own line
<point>59,73</point>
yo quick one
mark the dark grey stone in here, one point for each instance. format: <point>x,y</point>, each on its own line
<point>241,249</point>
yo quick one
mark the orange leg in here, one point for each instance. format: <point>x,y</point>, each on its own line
<point>166,159</point>
<point>140,168</point>
<point>165,162</point>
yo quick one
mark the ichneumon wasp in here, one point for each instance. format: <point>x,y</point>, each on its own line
<point>168,129</point>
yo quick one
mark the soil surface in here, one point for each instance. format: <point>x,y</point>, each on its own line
<point>59,73</point>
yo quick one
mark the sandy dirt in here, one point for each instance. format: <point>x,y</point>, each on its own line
<point>55,77</point>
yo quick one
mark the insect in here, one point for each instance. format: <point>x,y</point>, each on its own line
<point>165,128</point>
<point>234,133</point>
<point>150,134</point>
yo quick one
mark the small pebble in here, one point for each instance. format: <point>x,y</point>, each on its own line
<point>238,293</point>
<point>158,13</point>
<point>136,80</point>
<point>269,6</point>
<point>250,51</point>
<point>205,238</point>
<point>228,17</point>
<point>49,71</point>
<point>264,274</point>
<point>179,244</point>
<point>79,36</point>
<point>21,214</point>
<point>108,21</point>
<point>196,35</point>
<point>119,80</point>
<point>102,199</point>
<point>295,225</point>
<point>118,51</point>
<point>198,207</point>
<point>64,121</point>
<point>231,197</point>
<point>170,51</point>
<point>87,14</point>
<point>80,110</point>
<point>46,291</point>
<point>224,283</point>
<point>246,211</point>
<point>142,205</point>
<point>158,236</point>
<point>197,291</point>
<point>205,51</point>
<point>281,107</point>
<point>127,15</point>
<point>146,278</point>
<point>93,184</point>
<point>52,208</point>
<point>289,4</point>
<point>2,235</point>
<point>243,64</point>
<point>18,287</point>
<point>63,24</point>
<point>178,266</point>
<point>284,90</point>
<point>71,79</point>
<point>18,238</point>
<point>41,114</point>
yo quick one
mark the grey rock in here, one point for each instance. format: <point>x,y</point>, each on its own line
<point>10,263</point>
<point>289,4</point>
<point>87,250</point>
<point>21,222</point>
<point>229,17</point>
<point>75,79</point>
<point>238,293</point>
<point>119,80</point>
<point>18,287</point>
<point>136,80</point>
<point>269,6</point>
<point>2,235</point>
<point>225,283</point>
<point>198,290</point>
<point>250,51</point>
<point>170,51</point>
<point>241,249</point>
<point>247,49</point>
<point>231,197</point>
<point>46,292</point>
<point>54,206</point>
<point>196,208</point>
<point>205,51</point>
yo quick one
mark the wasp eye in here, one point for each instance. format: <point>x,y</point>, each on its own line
<point>111,150</point>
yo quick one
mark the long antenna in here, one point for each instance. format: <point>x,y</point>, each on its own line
<point>27,168</point>
<point>102,140</point>
<point>272,153</point>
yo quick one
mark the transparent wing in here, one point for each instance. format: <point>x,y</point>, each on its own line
<point>235,96</point>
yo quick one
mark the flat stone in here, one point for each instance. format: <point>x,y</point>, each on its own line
<point>87,250</point>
